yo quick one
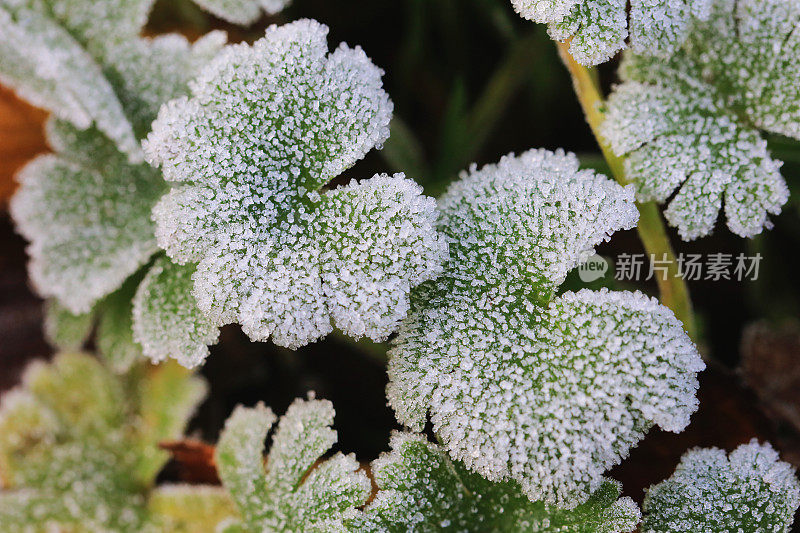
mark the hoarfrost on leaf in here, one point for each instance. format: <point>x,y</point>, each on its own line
<point>47,67</point>
<point>548,391</point>
<point>421,489</point>
<point>598,29</point>
<point>166,320</point>
<point>76,451</point>
<point>86,212</point>
<point>691,123</point>
<point>267,126</point>
<point>749,490</point>
<point>299,492</point>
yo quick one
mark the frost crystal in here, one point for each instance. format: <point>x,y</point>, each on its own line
<point>600,28</point>
<point>422,490</point>
<point>750,491</point>
<point>691,123</point>
<point>242,11</point>
<point>266,127</point>
<point>78,453</point>
<point>548,391</point>
<point>298,492</point>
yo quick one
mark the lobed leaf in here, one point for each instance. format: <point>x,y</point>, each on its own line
<point>547,391</point>
<point>166,320</point>
<point>267,126</point>
<point>749,490</point>
<point>598,29</point>
<point>78,452</point>
<point>421,489</point>
<point>691,123</point>
<point>298,491</point>
<point>86,211</point>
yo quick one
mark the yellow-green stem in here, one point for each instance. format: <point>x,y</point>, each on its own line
<point>672,288</point>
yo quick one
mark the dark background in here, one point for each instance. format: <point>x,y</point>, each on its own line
<point>471,81</point>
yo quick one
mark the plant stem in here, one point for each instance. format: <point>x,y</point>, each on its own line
<point>672,288</point>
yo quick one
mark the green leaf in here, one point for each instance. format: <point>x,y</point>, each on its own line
<point>78,451</point>
<point>166,320</point>
<point>298,491</point>
<point>63,450</point>
<point>521,385</point>
<point>598,29</point>
<point>421,489</point>
<point>86,211</point>
<point>168,396</point>
<point>750,491</point>
<point>691,123</point>
<point>146,73</point>
<point>266,128</point>
<point>44,63</point>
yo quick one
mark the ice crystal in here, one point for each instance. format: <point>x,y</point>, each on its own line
<point>266,127</point>
<point>167,322</point>
<point>77,452</point>
<point>421,489</point>
<point>749,491</point>
<point>242,11</point>
<point>298,492</point>
<point>598,29</point>
<point>548,391</point>
<point>691,123</point>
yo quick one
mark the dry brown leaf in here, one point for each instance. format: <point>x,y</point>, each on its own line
<point>21,138</point>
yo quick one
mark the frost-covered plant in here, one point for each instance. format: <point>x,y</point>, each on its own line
<point>549,390</point>
<point>598,29</point>
<point>421,489</point>
<point>190,187</point>
<point>78,443</point>
<point>86,208</point>
<point>692,122</point>
<point>266,128</point>
<point>749,490</point>
<point>298,492</point>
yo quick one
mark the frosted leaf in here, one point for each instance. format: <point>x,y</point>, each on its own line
<point>267,126</point>
<point>166,320</point>
<point>549,392</point>
<point>42,62</point>
<point>298,492</point>
<point>691,123</point>
<point>145,73</point>
<point>598,29</point>
<point>242,11</point>
<point>421,489</point>
<point>65,330</point>
<point>72,445</point>
<point>750,490</point>
<point>86,211</point>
